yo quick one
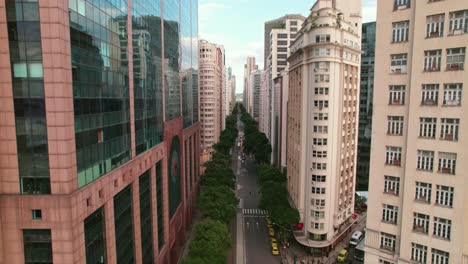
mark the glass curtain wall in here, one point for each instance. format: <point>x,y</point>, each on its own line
<point>145,218</point>
<point>147,71</point>
<point>194,23</point>
<point>98,35</point>
<point>95,242</point>
<point>171,59</point>
<point>123,221</point>
<point>24,35</point>
<point>186,66</point>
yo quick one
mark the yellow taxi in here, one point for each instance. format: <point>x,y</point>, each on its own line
<point>273,240</point>
<point>275,251</point>
<point>341,258</point>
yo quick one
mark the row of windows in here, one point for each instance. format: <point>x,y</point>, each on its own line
<point>429,94</point>
<point>458,25</point>
<point>449,129</point>
<point>425,160</point>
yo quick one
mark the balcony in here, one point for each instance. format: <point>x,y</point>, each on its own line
<point>456,32</point>
<point>429,102</point>
<point>434,34</point>
<point>392,191</point>
<point>396,102</point>
<point>419,229</point>
<point>400,69</point>
<point>451,102</point>
<point>447,170</point>
<point>455,66</point>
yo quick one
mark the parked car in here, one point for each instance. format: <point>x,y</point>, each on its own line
<point>356,238</point>
<point>342,255</point>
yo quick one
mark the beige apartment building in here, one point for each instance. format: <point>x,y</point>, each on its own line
<point>324,69</point>
<point>212,92</point>
<point>418,190</point>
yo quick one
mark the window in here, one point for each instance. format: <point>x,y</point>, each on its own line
<point>455,59</point>
<point>321,104</point>
<point>444,195</point>
<point>322,52</point>
<point>282,36</point>
<point>453,94</point>
<point>36,214</point>
<point>282,56</point>
<point>320,116</point>
<point>322,78</point>
<point>37,246</point>
<point>292,36</point>
<point>393,156</point>
<point>321,90</point>
<point>319,178</point>
<point>395,125</point>
<point>423,192</point>
<point>319,154</point>
<point>420,223</point>
<point>322,66</point>
<point>442,228</point>
<point>383,261</point>
<point>392,185</point>
<point>398,63</point>
<point>418,253</point>
<point>318,226</point>
<point>397,95</point>
<point>318,202</point>
<point>293,29</point>
<point>390,213</point>
<point>159,204</point>
<point>95,242</point>
<point>282,42</point>
<point>459,22</point>
<point>447,162</point>
<point>318,190</point>
<point>400,31</point>
<point>432,59</point>
<point>320,129</point>
<point>449,129</point>
<point>387,241</point>
<point>435,26</point>
<point>322,38</point>
<point>425,160</point>
<point>439,256</point>
<point>401,4</point>
<point>430,94</point>
<point>319,166</point>
<point>281,49</point>
<point>427,127</point>
<point>146,227</point>
<point>317,214</point>
<point>293,23</point>
<point>123,222</point>
<point>320,141</point>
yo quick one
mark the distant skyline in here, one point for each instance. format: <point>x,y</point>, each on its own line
<point>224,22</point>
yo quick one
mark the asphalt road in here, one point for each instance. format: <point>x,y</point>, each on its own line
<point>257,246</point>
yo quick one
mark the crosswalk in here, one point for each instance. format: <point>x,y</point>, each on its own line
<point>254,211</point>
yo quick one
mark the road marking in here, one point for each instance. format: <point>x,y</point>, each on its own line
<point>254,211</point>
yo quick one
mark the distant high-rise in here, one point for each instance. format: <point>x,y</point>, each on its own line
<point>365,105</point>
<point>248,94</point>
<point>255,82</point>
<point>99,145</point>
<point>212,91</point>
<point>324,69</point>
<point>281,33</point>
<point>418,196</point>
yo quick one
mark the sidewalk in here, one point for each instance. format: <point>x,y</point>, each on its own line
<point>303,256</point>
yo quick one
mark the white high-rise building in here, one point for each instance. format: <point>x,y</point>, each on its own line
<point>418,202</point>
<point>324,69</point>
<point>248,93</point>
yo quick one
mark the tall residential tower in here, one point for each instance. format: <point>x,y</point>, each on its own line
<point>419,196</point>
<point>324,69</point>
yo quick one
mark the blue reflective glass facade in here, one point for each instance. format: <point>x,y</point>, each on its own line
<point>98,35</point>
<point>171,59</point>
<point>186,64</point>
<point>147,71</point>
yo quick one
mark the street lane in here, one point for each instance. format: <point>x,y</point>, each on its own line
<point>256,242</point>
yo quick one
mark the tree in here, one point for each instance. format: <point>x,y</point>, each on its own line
<point>210,242</point>
<point>218,203</point>
<point>284,216</point>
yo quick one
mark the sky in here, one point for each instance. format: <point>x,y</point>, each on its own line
<point>238,26</point>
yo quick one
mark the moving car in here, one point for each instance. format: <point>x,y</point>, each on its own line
<point>274,244</point>
<point>275,251</point>
<point>342,255</point>
<point>356,238</point>
<point>273,240</point>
